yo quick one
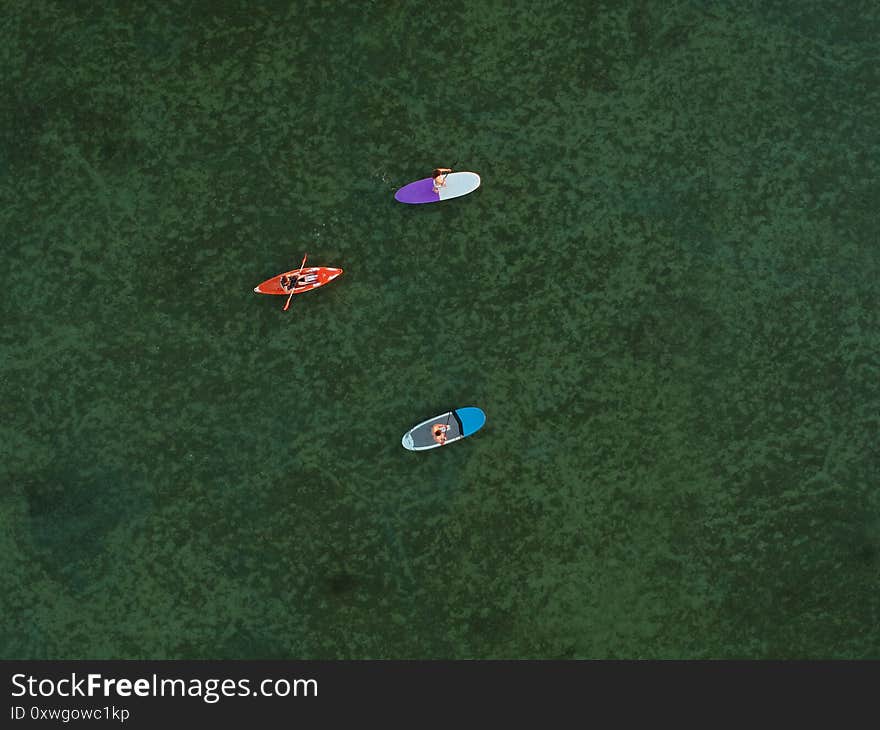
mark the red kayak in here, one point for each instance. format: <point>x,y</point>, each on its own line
<point>309,278</point>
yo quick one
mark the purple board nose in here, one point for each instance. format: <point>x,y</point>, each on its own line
<point>420,191</point>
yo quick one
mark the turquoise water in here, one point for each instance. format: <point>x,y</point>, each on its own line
<point>664,297</point>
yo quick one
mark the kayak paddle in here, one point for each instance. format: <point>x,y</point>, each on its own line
<point>287,304</point>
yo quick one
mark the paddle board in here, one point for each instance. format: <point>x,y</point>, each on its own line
<point>422,191</point>
<point>310,278</point>
<point>457,424</point>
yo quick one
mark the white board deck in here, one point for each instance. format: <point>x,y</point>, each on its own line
<point>458,184</point>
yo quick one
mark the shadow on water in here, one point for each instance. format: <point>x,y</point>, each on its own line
<point>72,514</point>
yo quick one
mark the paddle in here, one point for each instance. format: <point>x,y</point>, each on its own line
<point>287,304</point>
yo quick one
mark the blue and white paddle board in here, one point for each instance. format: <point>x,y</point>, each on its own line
<point>442,430</point>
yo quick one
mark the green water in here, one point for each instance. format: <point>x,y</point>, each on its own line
<point>664,296</point>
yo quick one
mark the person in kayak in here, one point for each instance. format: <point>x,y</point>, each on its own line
<point>289,282</point>
<point>439,177</point>
<point>438,431</point>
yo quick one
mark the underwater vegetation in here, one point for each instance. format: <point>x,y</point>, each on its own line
<point>664,297</point>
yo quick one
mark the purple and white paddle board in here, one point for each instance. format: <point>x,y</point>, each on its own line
<point>421,191</point>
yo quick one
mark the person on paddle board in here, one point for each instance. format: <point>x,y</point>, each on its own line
<point>439,177</point>
<point>439,432</point>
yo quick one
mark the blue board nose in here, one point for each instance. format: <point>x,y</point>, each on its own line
<point>472,419</point>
